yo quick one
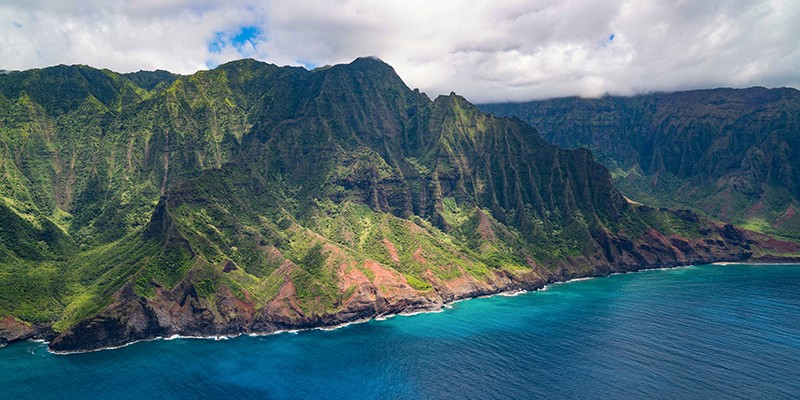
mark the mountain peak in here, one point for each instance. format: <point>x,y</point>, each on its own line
<point>371,63</point>
<point>366,75</point>
<point>337,193</point>
<point>369,59</point>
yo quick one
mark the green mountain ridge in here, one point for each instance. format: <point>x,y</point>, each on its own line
<point>253,198</point>
<point>732,154</point>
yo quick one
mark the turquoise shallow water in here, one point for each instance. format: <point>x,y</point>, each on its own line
<point>696,332</point>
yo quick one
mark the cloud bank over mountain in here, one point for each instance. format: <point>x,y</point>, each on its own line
<point>488,51</point>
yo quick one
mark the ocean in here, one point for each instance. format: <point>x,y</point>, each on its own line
<point>699,332</point>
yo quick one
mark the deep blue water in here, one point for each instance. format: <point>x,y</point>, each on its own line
<point>697,332</point>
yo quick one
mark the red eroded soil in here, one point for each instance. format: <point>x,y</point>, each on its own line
<point>756,208</point>
<point>787,215</point>
<point>417,256</point>
<point>388,282</point>
<point>485,226</point>
<point>392,250</point>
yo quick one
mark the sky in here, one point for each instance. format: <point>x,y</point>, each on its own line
<point>488,51</point>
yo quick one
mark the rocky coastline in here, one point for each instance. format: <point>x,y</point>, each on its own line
<point>131,318</point>
<point>253,198</point>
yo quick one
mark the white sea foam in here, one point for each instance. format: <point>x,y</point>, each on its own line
<point>379,318</point>
<point>755,264</point>
<point>514,293</point>
<point>277,332</point>
<point>665,268</point>
<point>339,326</point>
<point>101,348</point>
<point>413,313</point>
<point>171,337</point>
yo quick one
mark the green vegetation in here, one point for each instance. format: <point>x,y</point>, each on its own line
<point>271,182</point>
<point>731,154</point>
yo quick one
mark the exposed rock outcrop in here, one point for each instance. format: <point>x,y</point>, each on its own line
<point>181,312</point>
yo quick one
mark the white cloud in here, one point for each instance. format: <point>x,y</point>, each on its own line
<point>485,50</point>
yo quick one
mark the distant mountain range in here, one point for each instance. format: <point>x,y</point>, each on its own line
<point>253,198</point>
<point>732,154</point>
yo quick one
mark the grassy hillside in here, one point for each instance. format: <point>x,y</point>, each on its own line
<point>732,154</point>
<point>255,197</point>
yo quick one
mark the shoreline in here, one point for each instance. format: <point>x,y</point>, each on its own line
<point>218,338</point>
<point>753,263</point>
<point>446,305</point>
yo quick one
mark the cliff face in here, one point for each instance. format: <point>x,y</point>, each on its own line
<point>730,153</point>
<point>253,198</point>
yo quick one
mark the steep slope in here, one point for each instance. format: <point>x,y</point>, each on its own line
<point>733,154</point>
<point>253,198</point>
<point>150,80</point>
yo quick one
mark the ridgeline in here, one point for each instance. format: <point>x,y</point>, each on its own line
<point>254,198</point>
<point>731,154</point>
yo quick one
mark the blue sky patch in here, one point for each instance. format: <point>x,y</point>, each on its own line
<point>235,39</point>
<point>307,64</point>
<point>246,34</point>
